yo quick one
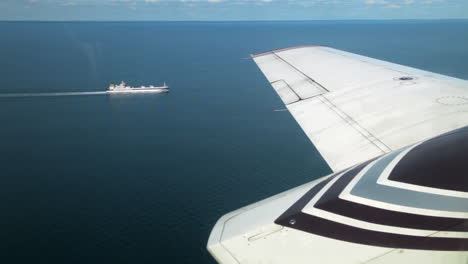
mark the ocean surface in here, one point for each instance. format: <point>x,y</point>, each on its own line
<point>143,178</point>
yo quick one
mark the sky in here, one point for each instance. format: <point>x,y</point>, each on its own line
<point>137,10</point>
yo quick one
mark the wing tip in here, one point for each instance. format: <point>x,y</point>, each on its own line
<point>283,49</point>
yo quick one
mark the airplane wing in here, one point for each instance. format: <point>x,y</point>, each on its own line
<point>354,108</point>
<point>397,140</point>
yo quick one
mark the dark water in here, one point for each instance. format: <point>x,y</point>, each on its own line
<point>143,178</point>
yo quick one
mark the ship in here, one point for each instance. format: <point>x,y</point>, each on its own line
<point>124,88</point>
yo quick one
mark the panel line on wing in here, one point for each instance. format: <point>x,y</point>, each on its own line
<point>302,84</point>
<point>355,125</point>
<point>302,73</point>
<point>286,92</point>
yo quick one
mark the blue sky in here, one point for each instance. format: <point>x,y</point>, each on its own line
<point>230,9</point>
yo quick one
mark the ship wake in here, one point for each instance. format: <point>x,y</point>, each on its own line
<point>9,95</point>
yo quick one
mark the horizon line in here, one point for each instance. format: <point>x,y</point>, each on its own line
<point>214,21</point>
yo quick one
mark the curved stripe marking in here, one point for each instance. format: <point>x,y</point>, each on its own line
<point>367,187</point>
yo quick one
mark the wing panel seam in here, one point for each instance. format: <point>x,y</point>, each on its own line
<point>302,73</point>
<point>290,88</point>
<point>355,125</point>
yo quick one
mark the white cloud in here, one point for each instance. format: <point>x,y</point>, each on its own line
<point>232,2</point>
<point>376,2</point>
<point>398,3</point>
<point>211,1</point>
<point>432,1</point>
<point>393,3</point>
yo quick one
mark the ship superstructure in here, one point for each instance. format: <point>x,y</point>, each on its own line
<point>124,88</point>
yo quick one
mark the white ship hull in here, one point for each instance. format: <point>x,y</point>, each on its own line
<point>123,88</point>
<point>153,90</point>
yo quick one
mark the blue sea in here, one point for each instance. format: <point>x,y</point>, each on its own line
<point>143,178</point>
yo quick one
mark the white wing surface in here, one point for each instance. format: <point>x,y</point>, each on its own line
<point>354,108</point>
<point>409,205</point>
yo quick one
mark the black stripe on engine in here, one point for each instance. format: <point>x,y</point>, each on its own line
<point>296,219</point>
<point>331,202</point>
<point>326,228</point>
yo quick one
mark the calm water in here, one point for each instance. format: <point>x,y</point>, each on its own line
<point>143,178</point>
